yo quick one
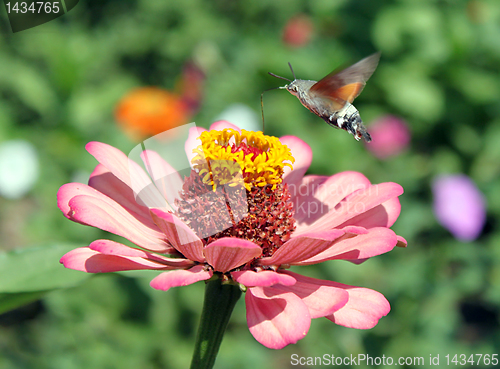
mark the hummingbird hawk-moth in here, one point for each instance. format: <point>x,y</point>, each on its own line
<point>331,98</point>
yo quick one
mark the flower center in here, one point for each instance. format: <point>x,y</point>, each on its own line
<point>229,157</point>
<point>259,209</point>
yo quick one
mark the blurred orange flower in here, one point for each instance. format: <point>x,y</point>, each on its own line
<point>147,111</point>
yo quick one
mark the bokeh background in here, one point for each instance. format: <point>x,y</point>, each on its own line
<point>87,75</point>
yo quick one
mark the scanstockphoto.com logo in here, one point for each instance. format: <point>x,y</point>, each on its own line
<point>28,14</point>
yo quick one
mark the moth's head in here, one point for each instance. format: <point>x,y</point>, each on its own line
<point>293,87</point>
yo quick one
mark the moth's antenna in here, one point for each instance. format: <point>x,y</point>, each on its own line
<point>274,75</point>
<point>262,104</point>
<point>293,73</point>
<point>275,88</point>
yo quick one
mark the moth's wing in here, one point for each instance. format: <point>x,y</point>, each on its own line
<point>335,104</point>
<point>347,84</point>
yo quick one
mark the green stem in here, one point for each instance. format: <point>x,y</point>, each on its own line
<point>220,300</point>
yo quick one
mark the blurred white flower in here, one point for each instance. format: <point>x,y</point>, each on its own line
<point>246,117</point>
<point>19,168</point>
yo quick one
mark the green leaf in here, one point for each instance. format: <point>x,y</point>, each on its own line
<point>37,269</point>
<point>9,301</point>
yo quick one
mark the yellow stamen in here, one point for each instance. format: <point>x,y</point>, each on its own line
<point>249,158</point>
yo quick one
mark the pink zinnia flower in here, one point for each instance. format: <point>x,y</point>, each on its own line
<point>390,137</point>
<point>274,217</point>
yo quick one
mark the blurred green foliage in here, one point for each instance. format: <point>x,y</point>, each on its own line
<point>440,71</point>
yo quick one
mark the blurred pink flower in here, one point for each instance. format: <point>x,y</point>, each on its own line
<point>459,206</point>
<point>390,136</point>
<point>298,31</point>
<point>304,220</point>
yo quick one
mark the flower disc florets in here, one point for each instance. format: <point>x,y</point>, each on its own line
<point>257,202</point>
<point>261,158</point>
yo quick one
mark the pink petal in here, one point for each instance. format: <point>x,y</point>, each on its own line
<point>303,193</point>
<point>356,230</point>
<point>265,278</point>
<point>356,203</point>
<point>108,247</point>
<point>178,278</point>
<point>377,241</point>
<point>105,182</point>
<point>180,235</point>
<point>319,199</point>
<point>140,230</point>
<point>302,153</point>
<point>69,190</point>
<point>276,318</point>
<point>319,296</point>
<point>228,253</point>
<point>112,158</point>
<point>222,124</point>
<point>90,261</point>
<point>383,215</point>
<point>401,242</point>
<point>193,141</point>
<point>364,200</point>
<point>106,214</point>
<point>358,261</point>
<point>304,247</point>
<point>129,172</point>
<point>363,310</point>
<point>166,179</point>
